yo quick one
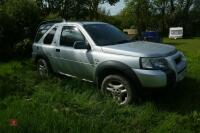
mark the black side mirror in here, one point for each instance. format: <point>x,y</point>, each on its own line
<point>81,45</point>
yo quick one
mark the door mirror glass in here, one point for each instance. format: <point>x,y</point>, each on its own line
<point>81,45</point>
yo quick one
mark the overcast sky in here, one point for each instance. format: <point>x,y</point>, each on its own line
<point>114,9</point>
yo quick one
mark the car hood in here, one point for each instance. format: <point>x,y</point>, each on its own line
<point>141,49</point>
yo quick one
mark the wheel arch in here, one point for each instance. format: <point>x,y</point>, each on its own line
<point>39,56</point>
<point>115,67</point>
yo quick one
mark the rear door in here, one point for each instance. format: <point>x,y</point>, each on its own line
<point>46,46</point>
<point>49,48</point>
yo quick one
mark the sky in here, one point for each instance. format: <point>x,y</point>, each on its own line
<point>114,9</point>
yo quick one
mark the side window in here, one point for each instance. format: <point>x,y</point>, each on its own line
<point>49,38</point>
<point>69,35</point>
<point>41,31</point>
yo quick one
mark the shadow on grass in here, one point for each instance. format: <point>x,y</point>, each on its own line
<point>184,98</point>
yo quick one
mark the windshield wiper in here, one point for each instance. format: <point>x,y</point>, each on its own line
<point>124,41</point>
<point>119,42</point>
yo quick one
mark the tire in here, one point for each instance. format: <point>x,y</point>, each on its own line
<point>119,88</point>
<point>43,69</point>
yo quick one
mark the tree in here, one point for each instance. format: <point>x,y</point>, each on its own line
<point>140,10</point>
<point>73,9</point>
<point>162,14</point>
<point>18,20</point>
<point>93,6</point>
<point>161,8</point>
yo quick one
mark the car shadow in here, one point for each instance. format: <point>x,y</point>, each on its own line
<point>184,98</point>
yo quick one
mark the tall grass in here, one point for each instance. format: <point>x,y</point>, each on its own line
<point>66,105</point>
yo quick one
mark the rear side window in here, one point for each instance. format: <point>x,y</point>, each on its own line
<point>69,35</point>
<point>49,38</point>
<point>42,30</point>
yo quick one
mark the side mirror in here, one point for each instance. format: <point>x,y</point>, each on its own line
<point>81,45</point>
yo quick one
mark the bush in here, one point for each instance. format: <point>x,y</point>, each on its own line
<point>25,13</point>
<point>18,20</point>
<point>24,48</point>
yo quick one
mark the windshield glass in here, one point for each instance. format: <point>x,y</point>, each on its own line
<point>105,34</point>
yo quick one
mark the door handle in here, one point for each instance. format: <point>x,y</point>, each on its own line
<point>57,50</point>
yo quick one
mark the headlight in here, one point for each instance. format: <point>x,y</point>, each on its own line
<point>154,63</point>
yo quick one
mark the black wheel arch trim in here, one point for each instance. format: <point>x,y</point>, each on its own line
<point>42,56</point>
<point>122,68</point>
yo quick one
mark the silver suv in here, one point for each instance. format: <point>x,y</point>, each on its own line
<point>100,53</point>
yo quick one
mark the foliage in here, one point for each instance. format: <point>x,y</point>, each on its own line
<point>24,48</point>
<point>18,20</point>
<point>73,9</point>
<point>25,13</point>
<point>66,105</point>
<point>7,32</point>
<point>162,14</point>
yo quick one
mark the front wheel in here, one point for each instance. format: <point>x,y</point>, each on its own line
<point>119,88</point>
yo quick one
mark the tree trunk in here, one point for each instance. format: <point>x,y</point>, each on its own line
<point>172,6</point>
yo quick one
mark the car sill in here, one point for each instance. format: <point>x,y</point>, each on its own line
<point>71,76</point>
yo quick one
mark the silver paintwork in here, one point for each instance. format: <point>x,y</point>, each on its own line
<point>82,63</point>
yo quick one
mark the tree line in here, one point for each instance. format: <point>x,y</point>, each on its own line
<point>161,14</point>
<point>19,18</point>
<point>73,9</point>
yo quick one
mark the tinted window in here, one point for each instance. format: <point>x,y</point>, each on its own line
<point>69,35</point>
<point>41,31</point>
<point>49,38</point>
<point>105,34</point>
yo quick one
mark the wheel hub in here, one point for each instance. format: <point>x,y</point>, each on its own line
<point>42,69</point>
<point>118,91</point>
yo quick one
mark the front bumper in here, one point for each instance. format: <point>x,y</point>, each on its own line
<point>158,78</point>
<point>151,78</point>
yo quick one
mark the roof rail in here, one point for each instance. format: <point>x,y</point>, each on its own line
<point>52,21</point>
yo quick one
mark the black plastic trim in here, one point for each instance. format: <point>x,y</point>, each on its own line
<point>41,56</point>
<point>122,68</point>
<point>171,77</point>
<point>182,70</point>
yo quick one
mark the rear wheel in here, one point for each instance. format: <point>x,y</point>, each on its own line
<point>119,88</point>
<point>43,68</point>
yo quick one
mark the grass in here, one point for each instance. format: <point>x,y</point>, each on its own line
<point>67,105</point>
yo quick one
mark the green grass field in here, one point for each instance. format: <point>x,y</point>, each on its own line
<point>67,105</point>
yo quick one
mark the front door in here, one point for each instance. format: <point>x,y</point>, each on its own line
<point>75,62</point>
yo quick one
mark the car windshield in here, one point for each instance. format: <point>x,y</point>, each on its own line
<point>105,34</point>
